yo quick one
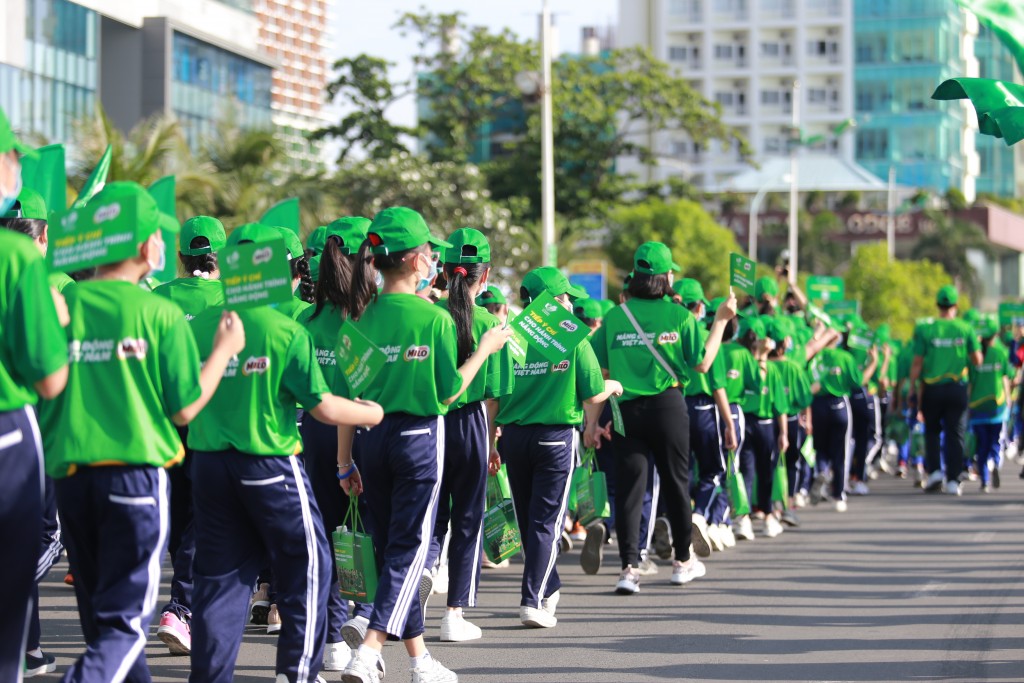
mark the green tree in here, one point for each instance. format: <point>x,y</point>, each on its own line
<point>147,152</point>
<point>820,249</point>
<point>946,240</point>
<point>699,244</point>
<point>897,292</point>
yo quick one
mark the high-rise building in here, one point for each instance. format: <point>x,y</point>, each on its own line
<point>745,55</point>
<point>294,34</point>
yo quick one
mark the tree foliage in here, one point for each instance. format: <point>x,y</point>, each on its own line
<point>946,240</point>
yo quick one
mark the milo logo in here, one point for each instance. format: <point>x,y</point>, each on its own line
<point>668,338</point>
<point>561,366</point>
<point>233,258</point>
<point>568,326</point>
<point>733,374</point>
<point>132,348</point>
<point>550,308</point>
<point>255,366</point>
<point>417,353</point>
<point>262,255</point>
<point>68,222</point>
<point>106,213</point>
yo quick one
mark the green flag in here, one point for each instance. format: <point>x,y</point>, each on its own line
<point>45,173</point>
<point>994,102</point>
<point>284,214</point>
<point>96,180</point>
<point>163,191</point>
<point>1005,18</point>
<point>742,273</point>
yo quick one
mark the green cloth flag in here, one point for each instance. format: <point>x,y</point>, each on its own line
<point>742,273</point>
<point>255,274</point>
<point>359,359</point>
<point>618,425</point>
<point>807,451</point>
<point>1005,18</point>
<point>998,104</point>
<point>164,192</point>
<point>284,214</point>
<point>96,180</point>
<point>354,557</point>
<point>1011,313</point>
<point>825,288</point>
<point>45,173</point>
<point>502,539</point>
<point>554,331</point>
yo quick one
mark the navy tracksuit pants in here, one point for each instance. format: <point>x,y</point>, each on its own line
<point>21,515</point>
<point>462,501</point>
<point>249,508</point>
<point>706,446</point>
<point>759,457</point>
<point>867,431</point>
<point>797,469</point>
<point>50,551</point>
<point>401,463</point>
<point>320,458</point>
<point>115,524</point>
<point>832,427</point>
<point>720,507</point>
<point>540,461</point>
<point>182,543</point>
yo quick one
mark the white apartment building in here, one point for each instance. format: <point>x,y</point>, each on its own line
<point>745,55</point>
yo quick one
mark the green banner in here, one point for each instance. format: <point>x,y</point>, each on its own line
<point>93,236</point>
<point>284,214</point>
<point>1011,313</point>
<point>843,307</point>
<point>164,192</point>
<point>360,360</point>
<point>255,274</point>
<point>862,340</point>
<point>45,173</point>
<point>1006,19</point>
<point>825,288</point>
<point>554,331</point>
<point>517,345</point>
<point>742,273</point>
<point>999,105</point>
<point>96,180</point>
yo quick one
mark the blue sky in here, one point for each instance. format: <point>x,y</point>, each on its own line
<point>365,26</point>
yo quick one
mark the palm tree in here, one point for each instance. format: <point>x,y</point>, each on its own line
<point>946,240</point>
<point>145,154</point>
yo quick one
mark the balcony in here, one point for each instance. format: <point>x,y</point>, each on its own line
<point>730,10</point>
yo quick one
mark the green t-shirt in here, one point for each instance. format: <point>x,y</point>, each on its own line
<point>253,410</point>
<point>836,371</point>
<point>419,341</point>
<point>795,387</point>
<point>324,330</point>
<point>293,308</point>
<point>32,343</point>
<point>705,383</point>
<point>496,378</point>
<point>673,331</point>
<point>547,394</point>
<point>60,281</point>
<point>134,364</point>
<point>987,394</point>
<point>193,294</point>
<point>761,399</point>
<point>945,345</point>
<point>741,373</point>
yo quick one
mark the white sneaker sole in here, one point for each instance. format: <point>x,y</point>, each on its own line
<point>701,543</point>
<point>353,633</point>
<point>626,588</point>
<point>662,539</point>
<point>173,641</point>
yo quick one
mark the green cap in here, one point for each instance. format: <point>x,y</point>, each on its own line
<point>400,229</point>
<point>317,240</point>
<point>691,292</point>
<point>291,242</point>
<point>712,307</point>
<point>947,296</point>
<point>765,285</point>
<point>126,203</point>
<point>987,326</point>
<point>548,279</point>
<point>753,324</point>
<point>653,258</point>
<point>30,204</point>
<point>587,308</point>
<point>257,233</point>
<point>350,231</point>
<point>972,316</point>
<point>7,139</point>
<point>626,280</point>
<point>468,245</point>
<point>606,306</point>
<point>778,328</point>
<point>202,226</point>
<point>883,335</point>
<point>491,295</point>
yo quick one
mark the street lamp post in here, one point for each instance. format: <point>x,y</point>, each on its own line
<point>547,152</point>
<point>794,171</point>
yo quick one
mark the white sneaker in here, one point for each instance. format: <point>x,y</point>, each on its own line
<point>859,488</point>
<point>337,656</point>
<point>700,540</point>
<point>728,537</point>
<point>799,500</point>
<point>359,670</point>
<point>354,631</point>
<point>743,528</point>
<point>953,488</point>
<point>550,603</point>
<point>455,628</point>
<point>440,577</point>
<point>772,527</point>
<point>432,671</point>
<point>426,587</point>
<point>259,605</point>
<point>841,506</point>
<point>715,537</point>
<point>629,582</point>
<point>934,482</point>
<point>535,617</point>
<point>685,572</point>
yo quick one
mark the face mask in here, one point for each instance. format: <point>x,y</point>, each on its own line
<point>770,344</point>
<point>8,199</point>
<point>161,261</point>
<point>789,344</point>
<point>378,279</point>
<point>427,279</point>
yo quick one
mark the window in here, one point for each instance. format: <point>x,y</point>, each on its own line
<point>816,95</point>
<point>725,99</point>
<point>873,144</point>
<point>723,51</point>
<point>770,97</point>
<point>677,54</point>
<point>871,49</point>
<point>824,49</point>
<point>770,50</point>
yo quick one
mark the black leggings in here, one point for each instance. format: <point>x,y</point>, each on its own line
<point>659,425</point>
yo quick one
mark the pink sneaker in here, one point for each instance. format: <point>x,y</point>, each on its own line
<point>175,634</point>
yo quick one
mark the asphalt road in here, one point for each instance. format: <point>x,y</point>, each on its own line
<point>904,586</point>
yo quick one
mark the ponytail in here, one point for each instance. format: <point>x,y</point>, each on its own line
<point>196,266</point>
<point>364,284</point>
<point>337,281</point>
<point>460,278</point>
<point>300,269</point>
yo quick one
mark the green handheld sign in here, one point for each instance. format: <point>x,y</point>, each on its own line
<point>860,340</point>
<point>554,331</point>
<point>255,274</point>
<point>517,347</point>
<point>742,273</point>
<point>825,288</point>
<point>1011,313</point>
<point>360,360</point>
<point>842,308</point>
<point>93,236</point>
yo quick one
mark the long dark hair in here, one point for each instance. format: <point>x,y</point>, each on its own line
<point>336,282</point>
<point>201,263</point>
<point>748,340</point>
<point>364,286</point>
<point>33,227</point>
<point>300,269</point>
<point>643,286</point>
<point>460,278</point>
